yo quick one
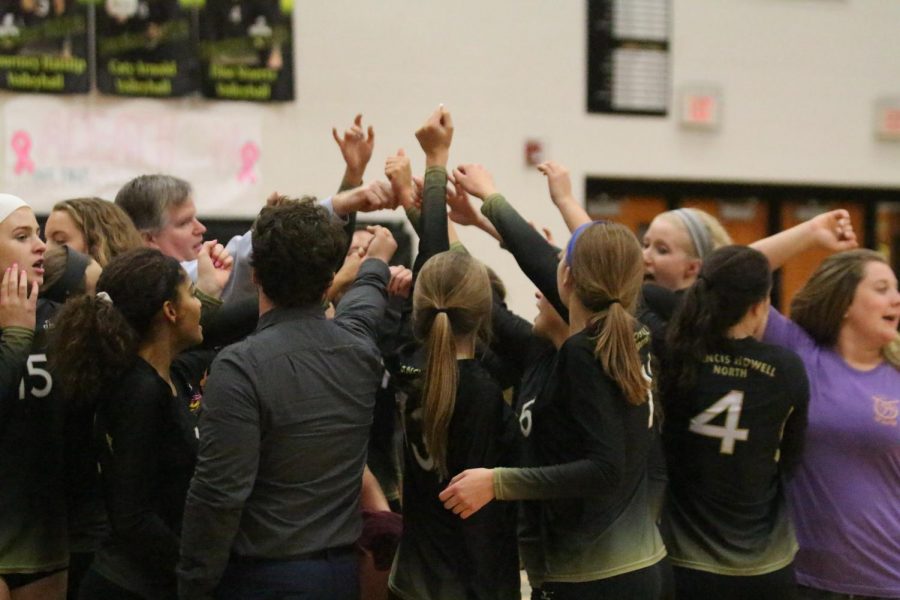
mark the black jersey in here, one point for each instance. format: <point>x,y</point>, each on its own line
<point>442,556</point>
<point>32,498</point>
<point>148,448</point>
<point>588,512</point>
<point>725,441</point>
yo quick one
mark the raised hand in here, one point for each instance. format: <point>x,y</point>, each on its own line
<point>558,181</point>
<point>17,307</point>
<point>398,171</point>
<point>461,210</point>
<point>475,179</point>
<point>401,282</point>
<point>435,136</point>
<point>276,199</point>
<point>356,148</point>
<point>214,265</point>
<point>375,195</point>
<point>833,230</point>
<point>346,274</point>
<point>383,245</point>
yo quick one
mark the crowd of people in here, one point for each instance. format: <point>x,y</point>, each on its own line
<point>290,415</point>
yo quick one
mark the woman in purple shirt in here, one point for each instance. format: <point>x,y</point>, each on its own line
<point>845,494</point>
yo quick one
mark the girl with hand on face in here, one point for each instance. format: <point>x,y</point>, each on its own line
<point>735,410</point>
<point>122,350</point>
<point>33,553</point>
<point>588,531</point>
<point>844,494</point>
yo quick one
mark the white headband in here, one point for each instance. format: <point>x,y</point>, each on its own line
<point>8,204</point>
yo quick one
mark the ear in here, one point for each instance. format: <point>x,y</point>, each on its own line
<point>692,269</point>
<point>170,313</point>
<point>149,239</point>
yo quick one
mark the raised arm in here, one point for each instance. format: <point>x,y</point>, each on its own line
<point>560,185</point>
<point>435,137</point>
<point>537,258</point>
<point>356,148</point>
<point>831,230</point>
<point>463,213</point>
<point>362,306</point>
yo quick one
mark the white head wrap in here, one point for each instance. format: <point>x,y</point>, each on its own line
<point>9,203</point>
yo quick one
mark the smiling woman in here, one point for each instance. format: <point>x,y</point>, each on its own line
<point>844,320</point>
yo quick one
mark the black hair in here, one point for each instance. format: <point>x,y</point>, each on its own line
<point>95,338</point>
<point>296,247</point>
<point>731,281</point>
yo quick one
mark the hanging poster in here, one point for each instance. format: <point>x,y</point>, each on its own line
<point>43,46</point>
<point>59,148</point>
<point>144,48</point>
<point>246,50</point>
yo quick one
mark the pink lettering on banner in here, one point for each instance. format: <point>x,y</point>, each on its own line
<point>249,156</point>
<point>21,145</point>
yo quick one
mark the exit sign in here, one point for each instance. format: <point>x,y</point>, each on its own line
<point>701,108</point>
<point>887,119</point>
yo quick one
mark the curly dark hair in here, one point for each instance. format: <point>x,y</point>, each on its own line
<point>94,340</point>
<point>296,250</point>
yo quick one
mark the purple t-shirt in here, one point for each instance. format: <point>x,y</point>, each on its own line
<point>845,494</point>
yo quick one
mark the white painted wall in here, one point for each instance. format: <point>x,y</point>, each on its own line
<point>799,81</point>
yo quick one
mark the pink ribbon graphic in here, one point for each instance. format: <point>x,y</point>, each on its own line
<point>21,145</point>
<point>249,156</point>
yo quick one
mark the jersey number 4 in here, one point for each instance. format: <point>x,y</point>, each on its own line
<point>730,404</point>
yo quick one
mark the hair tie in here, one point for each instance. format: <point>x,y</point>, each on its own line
<point>104,297</point>
<point>697,231</point>
<point>606,304</point>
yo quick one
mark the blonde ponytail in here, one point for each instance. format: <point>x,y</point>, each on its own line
<point>607,269</point>
<point>452,298</point>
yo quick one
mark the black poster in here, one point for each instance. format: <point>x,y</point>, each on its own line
<point>43,46</point>
<point>144,48</point>
<point>246,50</point>
<point>628,56</point>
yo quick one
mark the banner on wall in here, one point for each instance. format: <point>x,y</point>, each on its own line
<point>246,50</point>
<point>44,46</point>
<point>57,150</point>
<point>145,48</point>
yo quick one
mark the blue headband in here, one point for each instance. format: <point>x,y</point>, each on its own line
<point>570,247</point>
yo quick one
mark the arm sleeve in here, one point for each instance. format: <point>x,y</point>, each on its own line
<point>230,433</point>
<point>537,258</point>
<point>362,306</point>
<point>512,339</point>
<point>795,427</point>
<point>133,436</point>
<point>781,331</point>
<point>598,423</point>
<point>15,344</point>
<point>434,238</point>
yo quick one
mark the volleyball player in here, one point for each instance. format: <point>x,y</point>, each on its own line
<point>735,411</point>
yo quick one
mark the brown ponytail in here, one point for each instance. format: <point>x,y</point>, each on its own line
<point>607,268</point>
<point>452,298</point>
